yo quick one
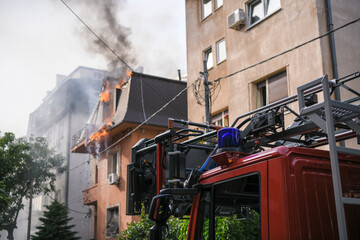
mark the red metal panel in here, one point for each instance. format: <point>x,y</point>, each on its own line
<point>278,199</point>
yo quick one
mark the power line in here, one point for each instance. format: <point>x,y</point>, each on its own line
<point>103,42</point>
<point>289,50</point>
<point>148,119</point>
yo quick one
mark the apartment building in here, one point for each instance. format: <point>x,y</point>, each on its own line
<point>63,110</point>
<point>250,50</point>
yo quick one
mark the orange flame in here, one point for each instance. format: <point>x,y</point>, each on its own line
<point>129,73</point>
<point>102,133</point>
<point>121,84</point>
<point>105,95</point>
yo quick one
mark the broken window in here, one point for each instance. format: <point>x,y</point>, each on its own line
<point>112,222</point>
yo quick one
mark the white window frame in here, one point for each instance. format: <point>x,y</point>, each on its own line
<point>266,13</point>
<point>111,163</point>
<point>218,60</point>
<point>223,117</point>
<point>205,56</point>
<point>218,5</point>
<point>203,16</point>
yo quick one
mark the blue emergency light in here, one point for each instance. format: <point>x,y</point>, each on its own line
<point>229,138</point>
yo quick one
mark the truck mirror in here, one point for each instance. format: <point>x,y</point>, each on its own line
<point>160,208</point>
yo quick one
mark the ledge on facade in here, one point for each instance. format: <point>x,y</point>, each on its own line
<point>79,147</point>
<point>90,195</point>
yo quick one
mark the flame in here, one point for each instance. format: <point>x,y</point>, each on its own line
<point>105,95</point>
<point>102,133</point>
<point>121,84</point>
<point>129,73</point>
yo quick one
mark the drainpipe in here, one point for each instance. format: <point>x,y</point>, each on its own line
<point>68,159</point>
<point>334,65</point>
<point>330,26</point>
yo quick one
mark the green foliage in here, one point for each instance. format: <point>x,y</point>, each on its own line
<point>55,224</point>
<point>25,163</point>
<point>227,228</point>
<point>141,230</point>
<point>4,199</point>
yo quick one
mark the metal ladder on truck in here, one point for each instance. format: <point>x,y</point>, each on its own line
<point>328,115</point>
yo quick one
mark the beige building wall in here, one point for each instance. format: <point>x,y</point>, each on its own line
<point>294,23</point>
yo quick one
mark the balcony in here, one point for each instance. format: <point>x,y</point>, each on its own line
<point>90,195</point>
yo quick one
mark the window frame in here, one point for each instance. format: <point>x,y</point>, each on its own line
<point>205,56</point>
<point>266,14</point>
<point>218,60</point>
<point>111,163</point>
<point>265,82</point>
<point>222,116</point>
<point>211,190</point>
<point>203,9</point>
<point>107,220</point>
<point>217,6</point>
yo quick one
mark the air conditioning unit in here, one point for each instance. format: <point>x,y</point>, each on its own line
<point>236,19</point>
<point>113,178</point>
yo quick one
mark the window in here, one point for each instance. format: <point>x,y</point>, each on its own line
<point>220,51</point>
<point>235,209</point>
<point>112,222</point>
<point>114,163</point>
<point>260,9</point>
<point>221,119</point>
<point>218,3</point>
<point>208,56</point>
<point>271,89</point>
<point>206,8</point>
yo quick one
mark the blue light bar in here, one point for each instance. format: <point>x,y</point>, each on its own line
<point>229,138</point>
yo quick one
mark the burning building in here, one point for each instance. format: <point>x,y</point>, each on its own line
<point>116,124</point>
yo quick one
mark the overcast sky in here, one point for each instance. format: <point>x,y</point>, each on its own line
<point>42,38</point>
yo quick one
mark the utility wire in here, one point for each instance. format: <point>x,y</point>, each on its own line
<point>148,119</point>
<point>103,42</point>
<point>232,74</point>
<point>289,50</point>
<point>67,207</point>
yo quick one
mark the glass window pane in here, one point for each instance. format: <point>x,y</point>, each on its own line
<point>256,11</point>
<point>237,208</point>
<point>202,223</point>
<point>208,55</point>
<point>218,3</point>
<point>272,5</point>
<point>206,8</point>
<point>261,94</point>
<point>221,51</point>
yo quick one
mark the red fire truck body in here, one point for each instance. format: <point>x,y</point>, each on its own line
<point>295,192</point>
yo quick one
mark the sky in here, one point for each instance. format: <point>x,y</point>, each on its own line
<point>42,38</point>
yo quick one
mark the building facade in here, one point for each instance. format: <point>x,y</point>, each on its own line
<point>66,108</point>
<point>249,40</point>
<point>127,111</point>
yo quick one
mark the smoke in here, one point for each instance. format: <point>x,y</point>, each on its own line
<point>103,18</point>
<point>143,33</point>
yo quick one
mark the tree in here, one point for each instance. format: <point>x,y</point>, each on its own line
<point>25,164</point>
<point>55,224</point>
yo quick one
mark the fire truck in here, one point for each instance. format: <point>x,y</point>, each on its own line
<point>258,178</point>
